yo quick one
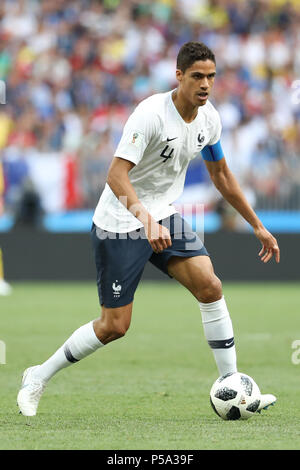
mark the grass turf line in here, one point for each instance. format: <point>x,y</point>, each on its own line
<point>149,390</point>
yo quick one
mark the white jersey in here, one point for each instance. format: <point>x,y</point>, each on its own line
<point>161,144</point>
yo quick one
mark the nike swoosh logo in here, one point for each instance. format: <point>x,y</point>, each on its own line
<point>229,344</point>
<point>169,140</point>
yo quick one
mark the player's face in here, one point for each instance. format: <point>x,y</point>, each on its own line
<point>197,81</point>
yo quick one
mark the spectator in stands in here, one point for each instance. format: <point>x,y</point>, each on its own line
<point>75,69</point>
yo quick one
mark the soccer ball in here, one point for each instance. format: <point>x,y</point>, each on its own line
<point>235,396</point>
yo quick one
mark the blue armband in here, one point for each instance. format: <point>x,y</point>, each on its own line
<point>212,153</point>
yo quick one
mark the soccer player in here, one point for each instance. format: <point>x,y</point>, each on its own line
<point>135,221</point>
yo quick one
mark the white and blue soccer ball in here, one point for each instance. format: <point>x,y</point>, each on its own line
<point>235,396</point>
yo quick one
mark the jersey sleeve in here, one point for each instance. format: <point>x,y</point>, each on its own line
<point>213,152</point>
<point>139,129</point>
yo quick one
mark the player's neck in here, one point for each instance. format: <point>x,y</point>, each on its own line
<point>187,111</point>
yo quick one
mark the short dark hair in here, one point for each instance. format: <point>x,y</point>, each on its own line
<point>190,52</point>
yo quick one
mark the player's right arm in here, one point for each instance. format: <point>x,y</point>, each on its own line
<point>140,128</point>
<point>119,182</point>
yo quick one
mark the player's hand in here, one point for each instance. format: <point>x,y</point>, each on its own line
<point>269,245</point>
<point>158,236</point>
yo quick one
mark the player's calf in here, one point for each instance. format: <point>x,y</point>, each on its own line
<point>218,331</point>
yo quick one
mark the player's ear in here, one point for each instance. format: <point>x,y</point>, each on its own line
<point>179,74</point>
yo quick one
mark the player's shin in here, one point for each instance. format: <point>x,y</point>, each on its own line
<point>219,334</point>
<point>81,343</point>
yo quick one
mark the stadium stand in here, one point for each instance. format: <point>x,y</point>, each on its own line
<point>75,69</point>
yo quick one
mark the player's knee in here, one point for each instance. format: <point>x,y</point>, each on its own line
<point>211,291</point>
<point>118,329</point>
<point>110,329</point>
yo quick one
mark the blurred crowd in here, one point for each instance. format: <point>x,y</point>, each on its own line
<point>75,69</point>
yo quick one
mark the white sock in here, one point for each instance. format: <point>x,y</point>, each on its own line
<point>82,343</point>
<point>219,334</point>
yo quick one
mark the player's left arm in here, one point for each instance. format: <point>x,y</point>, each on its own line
<point>226,183</point>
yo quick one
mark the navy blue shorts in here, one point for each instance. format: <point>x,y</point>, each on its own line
<point>121,257</point>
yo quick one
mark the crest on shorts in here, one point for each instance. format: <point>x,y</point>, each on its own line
<point>116,289</point>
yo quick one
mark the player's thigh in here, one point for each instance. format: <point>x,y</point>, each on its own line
<point>197,275</point>
<point>120,260</point>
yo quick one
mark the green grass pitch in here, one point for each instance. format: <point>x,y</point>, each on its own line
<point>149,390</point>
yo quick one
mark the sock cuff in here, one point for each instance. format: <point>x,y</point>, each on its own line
<point>214,311</point>
<point>211,306</point>
<point>96,341</point>
<point>82,343</point>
